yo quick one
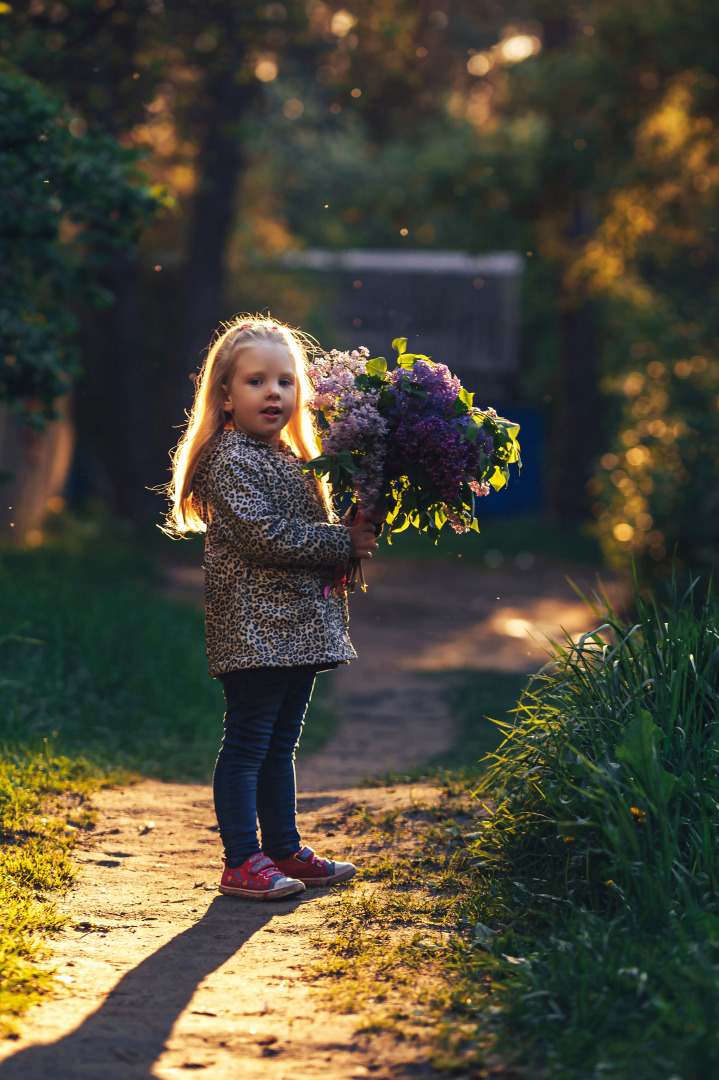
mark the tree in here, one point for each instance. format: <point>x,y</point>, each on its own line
<point>186,76</point>
<point>72,198</point>
<point>89,56</point>
<point>636,145</point>
<point>606,174</point>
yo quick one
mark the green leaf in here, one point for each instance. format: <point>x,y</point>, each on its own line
<point>497,479</point>
<point>404,524</point>
<point>369,382</point>
<point>473,429</point>
<point>346,461</point>
<point>399,344</point>
<point>377,366</point>
<point>638,751</point>
<point>319,465</point>
<point>573,828</point>
<point>466,398</point>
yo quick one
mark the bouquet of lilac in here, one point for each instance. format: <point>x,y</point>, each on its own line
<point>408,441</point>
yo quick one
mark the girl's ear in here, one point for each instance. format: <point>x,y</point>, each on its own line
<point>226,402</point>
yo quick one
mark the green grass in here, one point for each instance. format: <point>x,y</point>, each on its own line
<point>99,660</point>
<point>581,915</point>
<point>42,812</point>
<point>600,866</point>
<point>499,542</point>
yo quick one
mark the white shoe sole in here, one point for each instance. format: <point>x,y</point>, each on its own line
<point>271,894</point>
<point>320,883</point>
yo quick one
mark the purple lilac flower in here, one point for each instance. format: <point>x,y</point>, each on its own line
<point>484,440</point>
<point>485,443</point>
<point>442,452</point>
<point>418,431</point>
<point>441,385</point>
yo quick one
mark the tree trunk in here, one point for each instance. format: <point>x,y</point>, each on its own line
<point>576,423</point>
<point>34,468</point>
<point>129,450</point>
<point>578,402</point>
<point>222,161</point>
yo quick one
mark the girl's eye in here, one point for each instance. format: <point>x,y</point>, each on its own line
<point>285,382</point>
<point>255,382</point>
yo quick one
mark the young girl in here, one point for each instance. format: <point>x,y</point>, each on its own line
<point>270,550</point>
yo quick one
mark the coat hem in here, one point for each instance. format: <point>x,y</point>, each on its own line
<point>248,663</point>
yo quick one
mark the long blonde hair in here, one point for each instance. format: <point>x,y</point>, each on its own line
<point>207,416</point>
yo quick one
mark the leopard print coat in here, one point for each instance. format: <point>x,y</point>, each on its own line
<point>269,553</point>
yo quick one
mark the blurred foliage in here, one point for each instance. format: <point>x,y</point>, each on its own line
<point>606,175</point>
<point>582,133</point>
<point>632,152</point>
<point>71,196</point>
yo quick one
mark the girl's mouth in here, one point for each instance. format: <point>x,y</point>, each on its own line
<point>271,410</point>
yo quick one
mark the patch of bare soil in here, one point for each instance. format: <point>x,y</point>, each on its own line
<point>160,975</point>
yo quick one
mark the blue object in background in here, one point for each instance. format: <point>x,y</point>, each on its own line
<point>523,494</point>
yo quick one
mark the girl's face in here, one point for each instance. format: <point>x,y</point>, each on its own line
<point>262,392</point>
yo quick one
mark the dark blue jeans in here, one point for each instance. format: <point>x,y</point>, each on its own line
<point>255,770</point>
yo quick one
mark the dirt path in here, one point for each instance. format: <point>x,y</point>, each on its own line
<point>159,974</point>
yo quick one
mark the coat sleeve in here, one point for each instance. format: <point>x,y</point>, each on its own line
<point>259,529</point>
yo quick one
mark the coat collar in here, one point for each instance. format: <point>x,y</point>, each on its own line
<point>257,444</point>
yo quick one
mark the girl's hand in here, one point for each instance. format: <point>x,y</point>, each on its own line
<point>377,515</point>
<point>362,539</point>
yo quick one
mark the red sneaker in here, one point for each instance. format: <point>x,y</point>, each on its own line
<point>260,879</point>
<point>313,871</point>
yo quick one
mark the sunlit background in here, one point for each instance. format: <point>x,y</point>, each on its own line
<point>168,166</point>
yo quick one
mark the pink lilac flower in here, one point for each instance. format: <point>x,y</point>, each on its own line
<point>354,421</point>
<point>455,521</point>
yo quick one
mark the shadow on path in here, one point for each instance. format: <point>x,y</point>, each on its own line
<point>128,1033</point>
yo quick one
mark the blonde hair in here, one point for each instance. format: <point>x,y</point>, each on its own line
<point>207,416</point>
